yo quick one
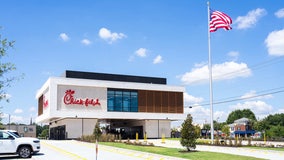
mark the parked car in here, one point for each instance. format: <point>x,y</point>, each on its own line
<point>11,143</point>
<point>13,131</point>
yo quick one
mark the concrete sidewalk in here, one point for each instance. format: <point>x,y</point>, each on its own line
<point>258,153</point>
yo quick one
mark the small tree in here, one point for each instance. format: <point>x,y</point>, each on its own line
<point>44,133</point>
<point>97,131</point>
<point>188,134</point>
<point>226,130</point>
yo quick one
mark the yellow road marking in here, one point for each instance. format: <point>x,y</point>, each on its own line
<point>72,155</point>
<point>133,154</point>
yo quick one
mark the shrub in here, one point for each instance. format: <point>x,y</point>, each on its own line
<point>188,134</point>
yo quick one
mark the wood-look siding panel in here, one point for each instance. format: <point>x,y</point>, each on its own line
<point>142,101</point>
<point>172,102</point>
<point>179,102</point>
<point>158,101</point>
<point>165,102</point>
<point>150,101</point>
<point>40,106</point>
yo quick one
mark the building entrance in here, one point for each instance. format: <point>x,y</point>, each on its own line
<point>128,132</point>
<point>58,133</point>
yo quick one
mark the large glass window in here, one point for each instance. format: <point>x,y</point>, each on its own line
<point>122,100</point>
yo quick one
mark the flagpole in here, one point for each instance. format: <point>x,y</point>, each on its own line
<point>210,76</point>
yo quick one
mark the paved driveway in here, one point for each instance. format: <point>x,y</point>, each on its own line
<point>75,150</point>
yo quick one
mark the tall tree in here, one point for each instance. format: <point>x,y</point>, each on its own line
<point>271,120</point>
<point>276,119</point>
<point>5,67</point>
<point>188,134</point>
<point>237,114</point>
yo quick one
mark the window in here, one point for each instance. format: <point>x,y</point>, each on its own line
<point>122,100</point>
<point>25,129</point>
<point>4,135</point>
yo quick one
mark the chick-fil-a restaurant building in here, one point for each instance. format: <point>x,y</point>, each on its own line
<point>73,103</point>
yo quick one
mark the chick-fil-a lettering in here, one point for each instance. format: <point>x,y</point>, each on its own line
<point>70,99</point>
<point>45,102</point>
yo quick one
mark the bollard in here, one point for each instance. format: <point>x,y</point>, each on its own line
<point>264,138</point>
<point>145,137</point>
<point>163,138</point>
<point>136,136</point>
<point>97,149</point>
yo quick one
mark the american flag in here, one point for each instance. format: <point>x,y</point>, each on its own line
<point>219,20</point>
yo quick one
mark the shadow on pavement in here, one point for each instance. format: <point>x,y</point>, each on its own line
<point>14,156</point>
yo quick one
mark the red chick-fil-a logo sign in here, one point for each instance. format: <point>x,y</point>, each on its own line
<point>45,102</point>
<point>70,99</point>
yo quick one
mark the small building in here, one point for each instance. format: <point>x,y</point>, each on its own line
<point>73,103</point>
<point>23,130</point>
<point>242,128</point>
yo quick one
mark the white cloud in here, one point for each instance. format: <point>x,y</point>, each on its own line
<point>249,20</point>
<point>32,109</point>
<point>17,111</point>
<point>158,59</point>
<point>224,71</point>
<point>47,73</point>
<point>109,36</point>
<point>64,37</point>
<point>253,95</point>
<point>280,13</point>
<point>189,99</point>
<point>281,110</point>
<point>201,114</point>
<point>131,58</point>
<point>233,54</point>
<point>13,118</point>
<point>141,52</point>
<point>201,64</point>
<point>220,116</point>
<point>16,119</point>
<point>275,43</point>
<point>86,42</point>
<point>259,108</point>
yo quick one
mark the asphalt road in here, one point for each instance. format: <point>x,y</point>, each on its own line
<point>75,150</point>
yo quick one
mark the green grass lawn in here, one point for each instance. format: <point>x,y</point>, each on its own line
<point>207,141</point>
<point>196,155</point>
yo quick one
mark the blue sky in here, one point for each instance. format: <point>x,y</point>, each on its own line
<point>160,38</point>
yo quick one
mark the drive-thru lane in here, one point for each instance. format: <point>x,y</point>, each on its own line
<point>76,150</point>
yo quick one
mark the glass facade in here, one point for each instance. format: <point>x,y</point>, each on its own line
<point>122,100</point>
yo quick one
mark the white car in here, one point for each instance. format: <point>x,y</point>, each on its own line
<point>11,143</point>
<point>13,131</point>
